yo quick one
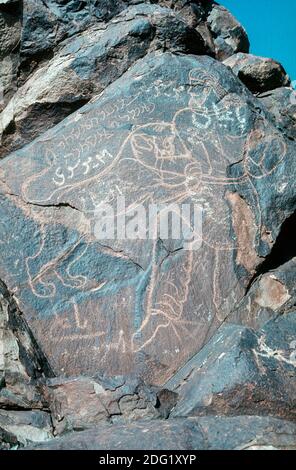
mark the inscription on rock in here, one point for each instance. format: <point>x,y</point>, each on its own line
<point>173,130</point>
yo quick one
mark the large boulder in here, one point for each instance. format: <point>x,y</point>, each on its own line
<point>223,34</point>
<point>241,372</point>
<point>82,402</point>
<point>173,129</point>
<point>228,34</point>
<point>259,74</point>
<point>48,22</point>
<point>281,103</point>
<point>86,65</point>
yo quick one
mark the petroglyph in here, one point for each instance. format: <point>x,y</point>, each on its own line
<point>144,305</point>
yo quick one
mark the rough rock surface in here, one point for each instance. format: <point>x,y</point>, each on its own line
<point>10,33</point>
<point>159,342</point>
<point>23,367</point>
<point>229,35</point>
<point>272,294</point>
<point>87,64</point>
<point>281,103</point>
<point>82,402</point>
<point>47,23</point>
<point>24,427</point>
<point>241,372</point>
<point>93,157</point>
<point>21,361</point>
<point>259,74</point>
<point>212,433</point>
<point>66,53</point>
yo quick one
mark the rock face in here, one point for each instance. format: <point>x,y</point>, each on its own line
<point>174,327</point>
<point>258,73</point>
<point>281,103</point>
<point>241,372</point>
<point>207,433</point>
<point>23,367</point>
<point>21,361</point>
<point>228,34</point>
<point>10,33</point>
<point>87,64</point>
<point>94,157</point>
<point>45,25</point>
<point>82,403</point>
<point>21,428</point>
<point>271,295</point>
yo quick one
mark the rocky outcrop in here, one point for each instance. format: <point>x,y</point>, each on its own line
<point>10,33</point>
<point>258,73</point>
<point>228,34</point>
<point>207,433</point>
<point>47,23</point>
<point>271,295</point>
<point>101,148</point>
<point>57,75</point>
<point>87,64</point>
<point>241,372</point>
<point>82,402</point>
<point>23,368</point>
<point>281,103</point>
<point>21,428</point>
<point>132,335</point>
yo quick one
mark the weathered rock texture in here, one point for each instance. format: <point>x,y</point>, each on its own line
<point>87,64</point>
<point>241,372</point>
<point>82,403</point>
<point>86,291</point>
<point>102,340</point>
<point>281,103</point>
<point>258,73</point>
<point>207,433</point>
<point>10,33</point>
<point>24,416</point>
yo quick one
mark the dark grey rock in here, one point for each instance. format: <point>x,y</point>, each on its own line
<point>47,23</point>
<point>10,33</point>
<point>141,435</point>
<point>222,33</point>
<point>114,319</point>
<point>138,306</point>
<point>22,363</point>
<point>281,103</point>
<point>26,426</point>
<point>193,12</point>
<point>229,35</point>
<point>86,65</point>
<point>205,433</point>
<point>248,433</point>
<point>259,74</point>
<point>241,372</point>
<point>272,294</point>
